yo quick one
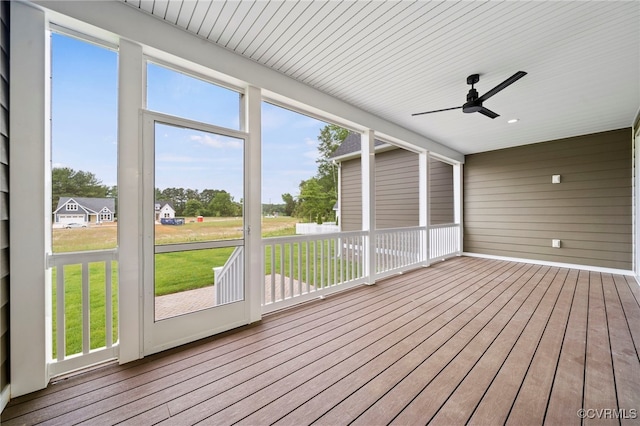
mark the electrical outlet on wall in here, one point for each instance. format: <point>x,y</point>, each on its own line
<point>555,243</point>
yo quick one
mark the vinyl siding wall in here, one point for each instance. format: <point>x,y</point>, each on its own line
<point>440,192</point>
<point>512,209</point>
<point>397,198</point>
<point>4,197</point>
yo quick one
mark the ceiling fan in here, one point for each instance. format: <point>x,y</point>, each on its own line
<point>474,103</point>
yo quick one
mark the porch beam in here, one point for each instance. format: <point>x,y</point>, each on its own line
<point>368,178</point>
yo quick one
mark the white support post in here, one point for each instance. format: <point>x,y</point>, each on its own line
<point>458,202</point>
<point>423,196</point>
<point>252,124</point>
<point>131,93</point>
<point>29,201</point>
<point>369,202</point>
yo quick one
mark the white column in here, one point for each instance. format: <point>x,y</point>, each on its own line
<point>29,201</point>
<point>369,202</point>
<point>458,201</point>
<point>253,203</point>
<point>131,93</point>
<point>423,191</point>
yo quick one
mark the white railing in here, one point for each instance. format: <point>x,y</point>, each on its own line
<point>84,293</point>
<point>300,268</point>
<point>399,249</point>
<point>315,228</point>
<point>444,241</point>
<point>228,280</point>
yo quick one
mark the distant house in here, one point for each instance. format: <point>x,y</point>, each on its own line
<point>396,177</point>
<point>84,210</point>
<point>164,210</point>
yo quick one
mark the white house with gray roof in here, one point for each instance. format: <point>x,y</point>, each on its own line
<point>84,210</point>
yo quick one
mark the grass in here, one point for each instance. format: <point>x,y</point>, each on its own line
<point>175,272</point>
<point>97,308</point>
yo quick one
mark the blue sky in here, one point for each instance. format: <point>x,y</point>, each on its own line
<point>84,132</point>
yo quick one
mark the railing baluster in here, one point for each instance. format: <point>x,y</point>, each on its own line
<point>282,255</point>
<point>273,273</point>
<point>300,291</point>
<point>321,263</point>
<point>60,314</point>
<point>86,344</point>
<point>108,308</point>
<point>291,262</point>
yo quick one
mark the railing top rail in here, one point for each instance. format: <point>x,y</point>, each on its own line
<point>401,229</point>
<point>311,237</point>
<point>444,225</point>
<point>75,257</point>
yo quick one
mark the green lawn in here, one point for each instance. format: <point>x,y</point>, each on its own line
<point>73,306</point>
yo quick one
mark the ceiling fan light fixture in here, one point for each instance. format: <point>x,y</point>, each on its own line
<point>474,102</point>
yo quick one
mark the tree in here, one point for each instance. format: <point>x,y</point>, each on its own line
<point>319,194</point>
<point>313,201</point>
<point>290,204</point>
<point>330,138</point>
<point>67,182</point>
<point>224,206</point>
<point>193,208</point>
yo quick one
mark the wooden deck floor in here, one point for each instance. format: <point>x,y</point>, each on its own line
<point>465,341</point>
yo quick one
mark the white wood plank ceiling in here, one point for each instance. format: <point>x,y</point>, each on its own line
<point>395,58</point>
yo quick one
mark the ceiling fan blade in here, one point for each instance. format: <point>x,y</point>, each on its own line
<point>488,113</point>
<point>438,110</point>
<point>517,76</point>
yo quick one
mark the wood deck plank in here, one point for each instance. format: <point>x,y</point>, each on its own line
<point>626,364</point>
<point>627,289</point>
<point>351,407</point>
<point>516,343</point>
<point>422,344</point>
<point>567,389</point>
<point>225,383</point>
<point>599,384</point>
<point>363,335</point>
<point>428,320</point>
<point>495,340</point>
<point>386,408</point>
<point>491,344</point>
<point>535,364</point>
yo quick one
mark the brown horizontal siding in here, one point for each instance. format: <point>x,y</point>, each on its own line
<point>440,192</point>
<point>511,208</point>
<point>397,198</point>
<point>397,203</point>
<point>351,196</point>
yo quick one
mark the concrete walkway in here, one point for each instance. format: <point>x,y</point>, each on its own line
<point>184,302</point>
